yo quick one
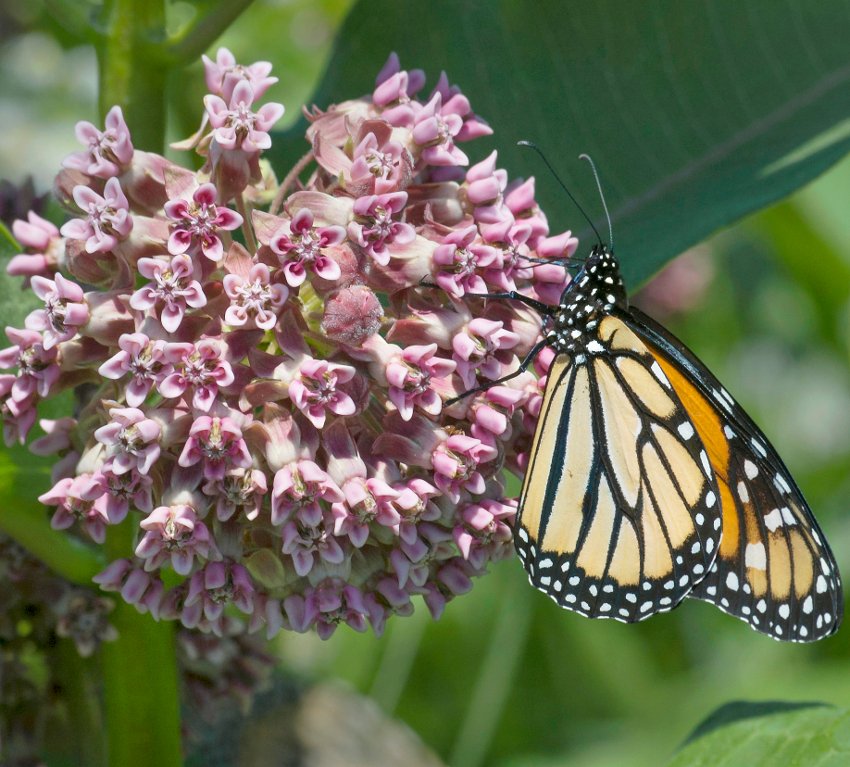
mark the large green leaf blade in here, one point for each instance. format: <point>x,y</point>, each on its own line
<point>695,113</point>
<point>767,734</point>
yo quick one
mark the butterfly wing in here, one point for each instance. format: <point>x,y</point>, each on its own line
<point>774,568</point>
<point>618,515</point>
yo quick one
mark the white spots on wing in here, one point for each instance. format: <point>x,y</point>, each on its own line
<point>669,585</point>
<point>695,548</point>
<point>579,359</point>
<point>604,607</point>
<point>631,598</point>
<point>732,581</point>
<point>758,447</point>
<point>523,534</point>
<point>683,581</point>
<point>773,519</point>
<point>565,567</point>
<point>761,605</point>
<point>624,612</point>
<point>788,518</point>
<point>709,546</point>
<point>710,499</point>
<point>820,584</point>
<point>699,518</point>
<point>545,580</point>
<point>698,569</point>
<point>593,590</point>
<point>571,598</point>
<point>608,588</point>
<point>781,483</point>
<point>574,581</point>
<point>686,430</point>
<point>665,601</point>
<point>545,564</point>
<point>727,430</point>
<point>558,585</point>
<point>804,632</point>
<point>784,612</point>
<point>750,469</point>
<point>646,607</point>
<point>594,347</point>
<point>743,492</point>
<point>706,464</point>
<point>659,374</point>
<point>755,556</point>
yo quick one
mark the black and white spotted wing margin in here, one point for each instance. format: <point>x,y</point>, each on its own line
<point>619,514</point>
<point>774,568</point>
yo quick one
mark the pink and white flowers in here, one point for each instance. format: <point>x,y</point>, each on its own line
<point>262,396</point>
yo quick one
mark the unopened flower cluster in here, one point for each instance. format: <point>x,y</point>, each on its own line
<point>262,372</point>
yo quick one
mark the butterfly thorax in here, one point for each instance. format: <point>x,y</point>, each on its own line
<point>592,294</point>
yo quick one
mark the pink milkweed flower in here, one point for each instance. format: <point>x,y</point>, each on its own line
<point>378,165</point>
<point>45,246</point>
<point>175,534</point>
<point>197,223</point>
<point>172,285</point>
<point>224,73</point>
<point>484,186</point>
<point>131,440</point>
<point>144,359</point>
<point>65,309</point>
<point>200,367</point>
<point>456,462</point>
<point>333,602</point>
<point>367,501</point>
<point>298,489</point>
<point>374,229</point>
<point>123,491</point>
<point>416,505</point>
<point>394,89</point>
<point>298,245</point>
<point>461,260</point>
<point>482,350</point>
<point>410,376</point>
<point>215,586</point>
<point>38,368</point>
<point>238,489</point>
<point>136,586</point>
<point>454,102</point>
<point>255,299</point>
<point>435,130</point>
<point>484,534</point>
<point>76,500</point>
<point>316,390</point>
<point>108,152</point>
<point>218,444</point>
<point>236,125</point>
<point>304,542</point>
<point>108,219</point>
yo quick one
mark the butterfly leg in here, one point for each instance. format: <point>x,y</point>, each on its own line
<point>523,366</point>
<point>512,295</point>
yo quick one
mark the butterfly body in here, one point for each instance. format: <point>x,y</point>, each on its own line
<point>647,483</point>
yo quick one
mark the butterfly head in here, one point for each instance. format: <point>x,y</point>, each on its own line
<point>593,293</point>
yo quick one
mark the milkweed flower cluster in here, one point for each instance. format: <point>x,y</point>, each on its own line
<point>263,384</point>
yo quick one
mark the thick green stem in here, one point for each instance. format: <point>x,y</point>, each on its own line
<point>140,686</point>
<point>133,67</point>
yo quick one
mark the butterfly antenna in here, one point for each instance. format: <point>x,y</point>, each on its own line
<point>602,197</point>
<point>554,173</point>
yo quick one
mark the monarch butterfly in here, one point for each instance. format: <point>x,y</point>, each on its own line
<point>647,483</point>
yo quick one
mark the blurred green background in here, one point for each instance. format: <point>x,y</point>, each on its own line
<point>505,677</point>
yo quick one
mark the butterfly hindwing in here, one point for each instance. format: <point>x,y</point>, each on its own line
<point>774,568</point>
<point>618,515</point>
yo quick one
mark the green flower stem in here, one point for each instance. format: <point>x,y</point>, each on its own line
<point>207,28</point>
<point>140,687</point>
<point>133,67</point>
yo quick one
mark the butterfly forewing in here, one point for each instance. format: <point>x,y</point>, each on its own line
<point>774,568</point>
<point>618,515</point>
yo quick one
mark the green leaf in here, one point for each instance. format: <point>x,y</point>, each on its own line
<point>695,113</point>
<point>769,733</point>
